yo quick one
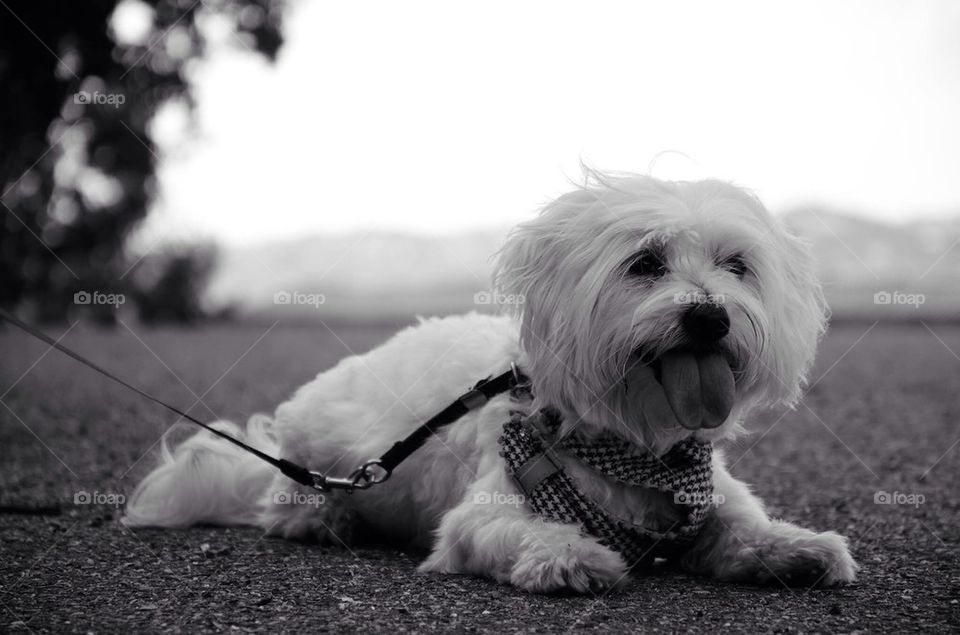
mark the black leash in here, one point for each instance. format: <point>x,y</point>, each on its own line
<point>483,392</point>
<point>372,472</point>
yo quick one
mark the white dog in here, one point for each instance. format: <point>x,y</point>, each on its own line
<point>651,318</point>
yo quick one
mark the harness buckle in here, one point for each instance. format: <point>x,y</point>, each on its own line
<point>541,465</point>
<point>537,469</point>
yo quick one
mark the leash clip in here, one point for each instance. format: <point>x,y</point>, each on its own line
<point>369,474</point>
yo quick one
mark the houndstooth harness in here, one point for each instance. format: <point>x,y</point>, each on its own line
<point>528,446</point>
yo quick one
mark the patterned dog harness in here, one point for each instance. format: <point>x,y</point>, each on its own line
<point>528,444</point>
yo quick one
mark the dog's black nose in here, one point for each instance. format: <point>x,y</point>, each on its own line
<point>706,322</point>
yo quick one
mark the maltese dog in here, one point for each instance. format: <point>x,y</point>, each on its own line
<point>647,319</point>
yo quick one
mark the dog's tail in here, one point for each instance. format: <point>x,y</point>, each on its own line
<point>206,480</point>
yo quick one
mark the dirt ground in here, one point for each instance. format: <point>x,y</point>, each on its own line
<point>882,416</point>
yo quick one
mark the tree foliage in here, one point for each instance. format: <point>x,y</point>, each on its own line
<point>77,165</point>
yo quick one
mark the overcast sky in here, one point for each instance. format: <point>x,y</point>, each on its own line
<point>447,116</point>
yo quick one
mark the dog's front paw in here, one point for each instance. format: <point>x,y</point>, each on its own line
<point>799,557</point>
<point>582,566</point>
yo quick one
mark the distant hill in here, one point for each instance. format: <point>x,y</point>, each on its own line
<point>858,257</point>
<point>389,277</point>
<point>376,276</point>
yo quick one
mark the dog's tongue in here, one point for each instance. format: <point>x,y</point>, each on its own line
<point>699,389</point>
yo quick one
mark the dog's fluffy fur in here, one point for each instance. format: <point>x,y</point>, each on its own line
<point>582,319</point>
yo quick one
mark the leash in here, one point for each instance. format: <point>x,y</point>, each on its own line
<point>372,472</point>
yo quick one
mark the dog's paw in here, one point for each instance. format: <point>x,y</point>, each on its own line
<point>581,566</point>
<point>797,557</point>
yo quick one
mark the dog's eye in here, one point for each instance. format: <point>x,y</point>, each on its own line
<point>735,265</point>
<point>647,264</point>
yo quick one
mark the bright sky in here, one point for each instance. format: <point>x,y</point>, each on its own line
<point>446,116</point>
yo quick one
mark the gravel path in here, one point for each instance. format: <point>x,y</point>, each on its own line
<point>884,414</point>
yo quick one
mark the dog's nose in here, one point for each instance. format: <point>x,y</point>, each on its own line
<point>706,322</point>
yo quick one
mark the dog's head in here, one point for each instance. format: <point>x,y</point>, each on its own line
<point>661,310</point>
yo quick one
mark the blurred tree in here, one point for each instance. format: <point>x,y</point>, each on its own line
<point>76,161</point>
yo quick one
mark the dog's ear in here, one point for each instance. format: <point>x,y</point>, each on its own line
<point>525,260</point>
<point>516,263</point>
<point>801,319</point>
<point>540,256</point>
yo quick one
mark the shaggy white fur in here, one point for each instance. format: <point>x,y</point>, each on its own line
<point>608,276</point>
